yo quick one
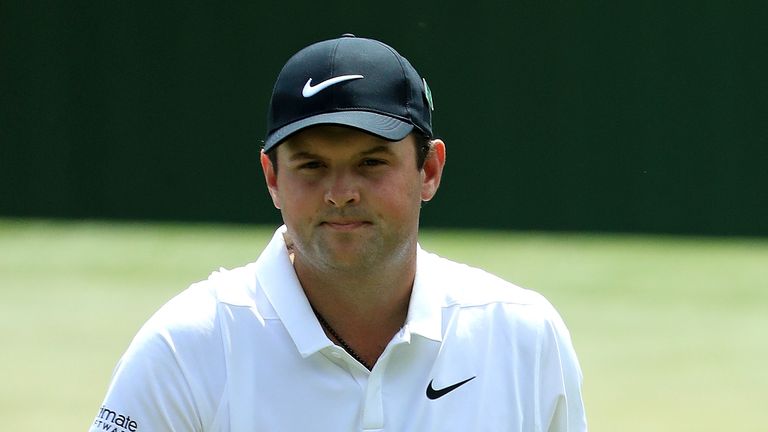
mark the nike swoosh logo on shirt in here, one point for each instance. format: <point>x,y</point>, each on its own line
<point>310,90</point>
<point>433,393</point>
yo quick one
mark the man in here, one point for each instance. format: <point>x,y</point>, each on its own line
<point>344,323</point>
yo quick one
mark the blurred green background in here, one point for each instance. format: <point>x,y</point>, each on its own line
<point>609,155</point>
<point>564,115</point>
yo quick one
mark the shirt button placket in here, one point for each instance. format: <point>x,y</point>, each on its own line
<point>373,409</point>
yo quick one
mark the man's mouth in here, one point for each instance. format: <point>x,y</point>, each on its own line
<point>345,225</point>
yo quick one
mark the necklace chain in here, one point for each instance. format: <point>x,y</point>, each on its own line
<point>343,343</point>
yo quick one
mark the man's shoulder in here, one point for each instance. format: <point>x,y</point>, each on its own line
<point>481,296</point>
<point>195,309</point>
<point>466,285</point>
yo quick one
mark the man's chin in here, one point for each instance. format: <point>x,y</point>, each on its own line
<point>350,253</point>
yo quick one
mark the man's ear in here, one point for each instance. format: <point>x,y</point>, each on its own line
<point>270,176</point>
<point>433,170</point>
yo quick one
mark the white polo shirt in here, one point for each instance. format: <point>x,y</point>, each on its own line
<point>243,351</point>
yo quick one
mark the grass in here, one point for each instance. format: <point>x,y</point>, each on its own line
<point>670,331</point>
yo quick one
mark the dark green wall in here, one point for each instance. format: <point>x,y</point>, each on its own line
<point>557,115</point>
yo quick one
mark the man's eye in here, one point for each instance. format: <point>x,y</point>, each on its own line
<point>311,165</point>
<point>373,162</point>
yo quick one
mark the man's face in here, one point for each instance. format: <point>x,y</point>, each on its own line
<point>350,200</point>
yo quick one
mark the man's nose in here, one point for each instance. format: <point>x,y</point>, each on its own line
<point>342,191</point>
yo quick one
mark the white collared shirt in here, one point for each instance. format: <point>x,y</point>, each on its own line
<point>243,351</point>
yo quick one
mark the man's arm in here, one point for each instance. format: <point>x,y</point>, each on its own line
<point>148,391</point>
<point>172,377</point>
<point>561,408</point>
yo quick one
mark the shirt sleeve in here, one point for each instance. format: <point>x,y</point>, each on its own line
<point>171,377</point>
<point>561,407</point>
<point>149,391</point>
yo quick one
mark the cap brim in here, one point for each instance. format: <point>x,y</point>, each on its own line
<point>383,126</point>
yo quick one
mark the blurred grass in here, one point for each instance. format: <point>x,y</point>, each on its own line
<point>670,331</point>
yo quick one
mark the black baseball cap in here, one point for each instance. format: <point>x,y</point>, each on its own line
<point>349,81</point>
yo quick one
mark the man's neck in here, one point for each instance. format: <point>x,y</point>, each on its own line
<point>366,309</point>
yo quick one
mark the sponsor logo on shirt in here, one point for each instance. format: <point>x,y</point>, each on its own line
<point>112,421</point>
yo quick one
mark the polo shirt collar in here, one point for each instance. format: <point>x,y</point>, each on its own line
<point>280,284</point>
<point>277,278</point>
<point>425,308</point>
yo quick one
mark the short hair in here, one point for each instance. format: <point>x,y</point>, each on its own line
<point>422,143</point>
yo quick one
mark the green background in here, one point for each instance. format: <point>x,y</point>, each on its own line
<point>558,115</point>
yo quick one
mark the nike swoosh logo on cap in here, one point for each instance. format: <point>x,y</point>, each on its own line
<point>310,90</point>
